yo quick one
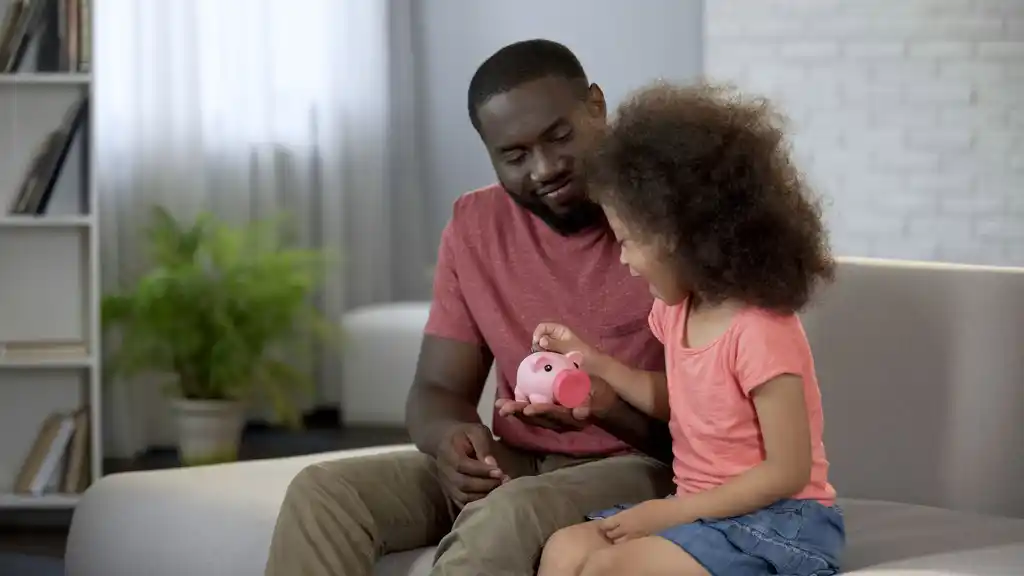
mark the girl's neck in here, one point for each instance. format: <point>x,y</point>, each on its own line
<point>698,305</point>
<point>706,322</point>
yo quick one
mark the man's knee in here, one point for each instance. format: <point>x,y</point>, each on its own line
<point>525,502</point>
<point>328,488</point>
<point>338,516</point>
<point>354,479</point>
<point>520,515</point>
<point>307,486</point>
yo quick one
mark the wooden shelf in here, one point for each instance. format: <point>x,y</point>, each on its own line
<point>49,280</point>
<point>45,78</point>
<point>55,364</point>
<point>55,221</point>
<point>46,501</point>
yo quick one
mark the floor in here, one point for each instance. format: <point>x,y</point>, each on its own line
<point>34,541</point>
<point>47,535</point>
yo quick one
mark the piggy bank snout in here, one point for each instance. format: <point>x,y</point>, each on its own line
<point>572,387</point>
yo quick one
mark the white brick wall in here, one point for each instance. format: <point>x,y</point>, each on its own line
<point>908,115</point>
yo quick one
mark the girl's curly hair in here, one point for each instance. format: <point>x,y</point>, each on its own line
<point>706,173</point>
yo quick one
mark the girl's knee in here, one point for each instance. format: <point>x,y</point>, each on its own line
<point>567,549</point>
<point>643,557</point>
<point>606,562</point>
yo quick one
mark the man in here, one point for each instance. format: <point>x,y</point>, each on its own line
<point>531,249</point>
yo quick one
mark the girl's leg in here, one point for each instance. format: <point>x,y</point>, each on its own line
<point>650,556</point>
<point>567,550</point>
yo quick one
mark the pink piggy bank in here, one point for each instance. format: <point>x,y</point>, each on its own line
<point>550,378</point>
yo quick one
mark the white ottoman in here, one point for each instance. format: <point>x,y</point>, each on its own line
<point>379,353</point>
<point>379,350</point>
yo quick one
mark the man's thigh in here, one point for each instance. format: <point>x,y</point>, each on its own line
<point>605,482</point>
<point>505,532</point>
<point>338,517</point>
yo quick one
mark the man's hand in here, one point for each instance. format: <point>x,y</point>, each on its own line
<point>559,418</point>
<point>466,464</point>
<point>550,416</point>
<point>560,339</point>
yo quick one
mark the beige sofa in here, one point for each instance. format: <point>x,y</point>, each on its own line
<point>923,380</point>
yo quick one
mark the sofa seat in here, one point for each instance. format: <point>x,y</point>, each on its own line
<point>218,520</point>
<point>885,538</point>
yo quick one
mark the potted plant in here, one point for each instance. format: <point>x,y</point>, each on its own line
<point>225,315</point>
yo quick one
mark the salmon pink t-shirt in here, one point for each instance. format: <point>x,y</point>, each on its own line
<point>501,271</point>
<point>715,433</point>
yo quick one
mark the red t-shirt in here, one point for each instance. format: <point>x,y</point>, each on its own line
<point>501,271</point>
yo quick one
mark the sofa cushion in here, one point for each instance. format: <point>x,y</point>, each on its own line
<point>887,535</point>
<point>223,516</point>
<point>884,538</point>
<point>412,563</point>
<point>202,521</point>
<point>1005,560</point>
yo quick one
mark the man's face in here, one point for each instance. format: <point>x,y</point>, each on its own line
<point>537,136</point>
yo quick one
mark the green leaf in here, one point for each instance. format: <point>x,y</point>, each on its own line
<point>216,304</point>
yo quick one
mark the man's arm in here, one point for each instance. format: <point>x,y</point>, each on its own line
<point>450,377</point>
<point>454,360</point>
<point>649,435</point>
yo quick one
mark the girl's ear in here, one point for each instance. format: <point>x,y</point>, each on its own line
<point>596,103</point>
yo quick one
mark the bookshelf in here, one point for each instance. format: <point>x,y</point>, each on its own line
<point>49,255</point>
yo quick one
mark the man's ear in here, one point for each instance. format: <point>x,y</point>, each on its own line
<point>596,103</point>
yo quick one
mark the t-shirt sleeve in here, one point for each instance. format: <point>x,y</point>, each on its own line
<point>656,319</point>
<point>769,346</point>
<point>450,316</point>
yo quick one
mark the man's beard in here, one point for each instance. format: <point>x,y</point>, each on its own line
<point>583,215</point>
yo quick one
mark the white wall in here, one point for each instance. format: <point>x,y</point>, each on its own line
<point>622,45</point>
<point>909,114</point>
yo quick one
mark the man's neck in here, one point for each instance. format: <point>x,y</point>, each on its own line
<point>585,218</point>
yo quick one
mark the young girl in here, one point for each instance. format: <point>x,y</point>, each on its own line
<point>700,191</point>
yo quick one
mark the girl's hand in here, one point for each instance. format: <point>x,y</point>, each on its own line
<point>645,519</point>
<point>558,338</point>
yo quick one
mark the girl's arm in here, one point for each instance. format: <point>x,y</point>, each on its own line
<point>646,391</point>
<point>786,469</point>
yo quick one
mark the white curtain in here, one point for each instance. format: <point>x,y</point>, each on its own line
<point>249,107</point>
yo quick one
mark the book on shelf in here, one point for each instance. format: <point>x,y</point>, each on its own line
<point>43,350</point>
<point>59,29</point>
<point>37,186</point>
<point>58,460</point>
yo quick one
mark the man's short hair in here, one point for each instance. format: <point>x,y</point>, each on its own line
<point>519,63</point>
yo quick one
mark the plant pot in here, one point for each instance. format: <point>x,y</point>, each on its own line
<point>209,431</point>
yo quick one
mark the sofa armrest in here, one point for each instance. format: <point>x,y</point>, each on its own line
<point>202,521</point>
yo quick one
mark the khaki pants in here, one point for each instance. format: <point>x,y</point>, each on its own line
<point>339,517</point>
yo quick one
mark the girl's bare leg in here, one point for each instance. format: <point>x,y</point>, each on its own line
<point>566,552</point>
<point>650,556</point>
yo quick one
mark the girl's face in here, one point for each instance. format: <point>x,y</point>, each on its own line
<point>646,258</point>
